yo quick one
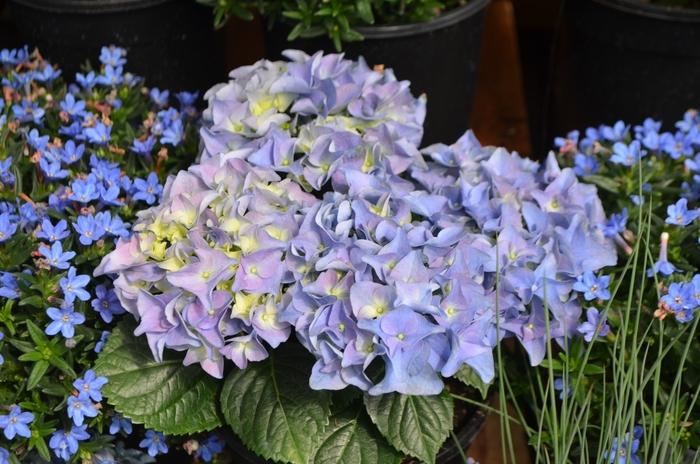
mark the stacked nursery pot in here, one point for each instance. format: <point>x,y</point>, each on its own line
<point>439,57</point>
<point>625,59</point>
<point>165,39</point>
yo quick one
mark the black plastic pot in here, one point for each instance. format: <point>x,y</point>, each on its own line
<point>169,42</point>
<point>449,453</point>
<point>440,58</point>
<point>624,59</point>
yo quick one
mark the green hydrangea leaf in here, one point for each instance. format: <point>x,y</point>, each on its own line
<point>352,439</point>
<point>167,396</point>
<point>271,407</point>
<point>470,378</point>
<point>415,425</point>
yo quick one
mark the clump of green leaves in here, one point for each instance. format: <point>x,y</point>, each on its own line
<point>336,19</point>
<point>77,162</point>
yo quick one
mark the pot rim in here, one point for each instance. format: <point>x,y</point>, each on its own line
<point>664,13</point>
<point>88,7</point>
<point>450,18</point>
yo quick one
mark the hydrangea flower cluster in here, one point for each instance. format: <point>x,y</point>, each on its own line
<point>415,265</point>
<point>76,161</point>
<point>204,271</point>
<point>310,116</point>
<point>545,229</point>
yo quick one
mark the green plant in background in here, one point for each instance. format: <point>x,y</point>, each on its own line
<point>627,392</point>
<point>337,19</point>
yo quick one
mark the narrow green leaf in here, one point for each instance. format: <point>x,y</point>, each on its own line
<point>606,183</point>
<point>271,407</point>
<point>40,444</point>
<point>295,32</point>
<point>364,11</point>
<point>36,334</point>
<point>32,356</point>
<point>37,374</point>
<point>416,425</point>
<point>62,365</point>
<point>167,396</point>
<point>22,345</point>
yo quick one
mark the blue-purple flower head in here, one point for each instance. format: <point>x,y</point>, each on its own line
<point>372,284</point>
<point>310,116</point>
<point>213,251</point>
<point>545,225</point>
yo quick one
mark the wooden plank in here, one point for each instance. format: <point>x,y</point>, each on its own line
<point>500,115</point>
